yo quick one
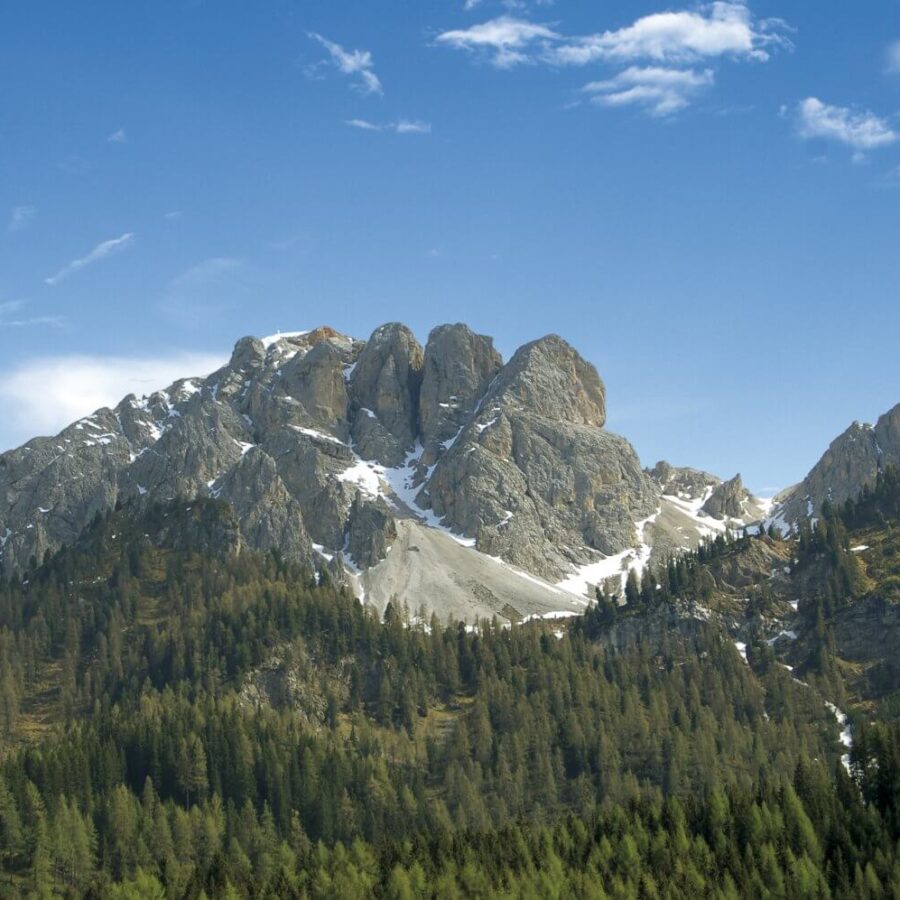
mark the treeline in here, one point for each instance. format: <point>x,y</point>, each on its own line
<point>224,725</point>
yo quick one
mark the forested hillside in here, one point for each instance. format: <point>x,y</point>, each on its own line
<point>180,720</point>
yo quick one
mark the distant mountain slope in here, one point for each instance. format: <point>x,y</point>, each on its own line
<point>851,462</point>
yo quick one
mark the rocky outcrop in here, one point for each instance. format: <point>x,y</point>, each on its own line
<point>533,477</point>
<point>728,500</point>
<point>851,463</point>
<point>270,518</point>
<point>681,481</point>
<point>372,531</point>
<point>459,367</point>
<point>384,394</point>
<point>548,379</point>
<point>316,381</point>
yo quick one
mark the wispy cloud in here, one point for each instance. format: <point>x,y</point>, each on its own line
<point>660,90</point>
<point>300,242</point>
<point>661,52</point>
<point>358,64</point>
<point>859,129</point>
<point>20,218</point>
<point>892,58</point>
<point>11,316</point>
<point>43,395</point>
<point>405,126</point>
<point>469,5</point>
<point>101,251</point>
<point>118,137</point>
<point>204,290</point>
<point>402,126</point>
<point>74,165</point>
<point>506,40</point>
<point>173,215</point>
<point>204,272</point>
<point>363,125</point>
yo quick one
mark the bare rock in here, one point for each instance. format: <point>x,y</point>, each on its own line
<point>459,367</point>
<point>728,500</point>
<point>385,382</point>
<point>533,477</point>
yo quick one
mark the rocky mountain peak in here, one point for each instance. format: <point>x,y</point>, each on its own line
<point>459,367</point>
<point>728,500</point>
<point>887,434</point>
<point>392,462</point>
<point>851,462</point>
<point>549,378</point>
<point>384,393</point>
<point>249,353</point>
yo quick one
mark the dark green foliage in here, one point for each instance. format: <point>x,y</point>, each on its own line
<point>876,505</point>
<point>426,761</point>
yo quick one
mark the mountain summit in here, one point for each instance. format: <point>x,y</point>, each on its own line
<point>421,473</point>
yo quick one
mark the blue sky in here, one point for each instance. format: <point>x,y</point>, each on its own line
<point>702,198</point>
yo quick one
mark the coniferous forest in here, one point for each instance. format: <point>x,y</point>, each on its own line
<point>177,720</point>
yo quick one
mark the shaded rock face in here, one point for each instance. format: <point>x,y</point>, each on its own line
<point>384,394</point>
<point>851,463</point>
<point>532,477</point>
<point>270,518</point>
<point>728,500</point>
<point>316,380</point>
<point>459,366</point>
<point>372,531</point>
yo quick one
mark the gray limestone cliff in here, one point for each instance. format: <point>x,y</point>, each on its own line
<point>533,477</point>
<point>332,449</point>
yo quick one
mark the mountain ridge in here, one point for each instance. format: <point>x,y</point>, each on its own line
<point>329,447</point>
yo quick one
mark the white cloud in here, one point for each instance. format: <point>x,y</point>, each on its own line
<point>718,30</point>
<point>469,5</point>
<point>506,40</point>
<point>660,90</point>
<point>101,251</point>
<point>118,137</point>
<point>43,395</point>
<point>355,63</point>
<point>893,58</point>
<point>860,129</point>
<point>173,215</point>
<point>402,126</point>
<point>363,124</point>
<point>11,316</point>
<point>659,54</point>
<point>21,217</point>
<point>405,126</point>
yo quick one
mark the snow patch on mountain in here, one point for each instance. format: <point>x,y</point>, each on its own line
<point>583,581</point>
